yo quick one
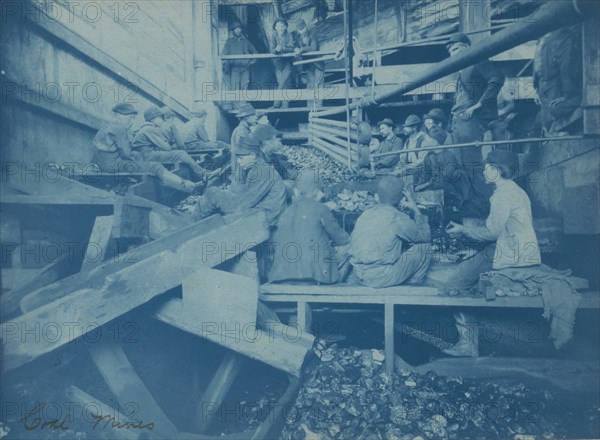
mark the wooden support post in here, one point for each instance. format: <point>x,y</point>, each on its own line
<point>219,386</point>
<point>591,78</point>
<point>274,416</point>
<point>126,385</point>
<point>304,316</point>
<point>95,252</point>
<point>389,336</point>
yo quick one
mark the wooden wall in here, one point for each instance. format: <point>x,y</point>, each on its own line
<point>65,64</point>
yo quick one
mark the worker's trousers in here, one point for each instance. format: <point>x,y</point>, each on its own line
<point>174,156</point>
<point>315,79</point>
<point>113,162</point>
<point>283,73</point>
<point>239,78</point>
<point>467,273</point>
<point>411,267</point>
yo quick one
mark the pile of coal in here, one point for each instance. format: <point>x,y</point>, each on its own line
<point>351,201</point>
<point>311,159</point>
<point>347,394</point>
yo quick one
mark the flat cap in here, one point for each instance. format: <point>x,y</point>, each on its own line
<point>458,38</point>
<point>386,121</point>
<point>152,112</point>
<point>389,190</point>
<point>437,114</point>
<point>245,110</point>
<point>167,112</point>
<point>125,109</point>
<point>247,145</point>
<point>412,120</point>
<point>264,132</point>
<point>198,111</point>
<point>235,24</point>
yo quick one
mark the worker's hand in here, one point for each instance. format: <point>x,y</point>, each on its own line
<point>468,113</point>
<point>557,101</point>
<point>297,51</point>
<point>454,228</point>
<point>278,48</point>
<point>409,202</point>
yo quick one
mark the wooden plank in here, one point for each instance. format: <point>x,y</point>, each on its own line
<point>262,432</point>
<point>126,289</point>
<point>221,298</point>
<point>347,290</point>
<point>281,347</point>
<point>95,252</point>
<point>130,221</point>
<point>97,277</point>
<point>566,374</point>
<point>126,385</point>
<point>217,389</point>
<point>389,336</point>
<point>105,415</point>
<point>304,316</point>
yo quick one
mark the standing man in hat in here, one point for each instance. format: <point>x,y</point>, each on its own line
<point>308,41</point>
<point>390,143</point>
<point>475,106</point>
<point>262,187</point>
<point>376,253</point>
<point>237,72</point>
<point>151,143</point>
<point>414,139</point>
<point>247,116</point>
<point>282,42</point>
<point>114,154</point>
<point>308,229</point>
<point>508,232</point>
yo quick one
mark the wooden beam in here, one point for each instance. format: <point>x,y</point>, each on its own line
<point>126,385</point>
<point>124,290</point>
<point>98,276</point>
<point>389,343</point>
<point>95,252</point>
<point>96,56</point>
<point>217,389</point>
<point>262,432</point>
<point>280,346</point>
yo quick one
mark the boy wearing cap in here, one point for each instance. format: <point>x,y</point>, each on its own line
<point>376,243</point>
<point>247,116</point>
<point>509,232</point>
<point>414,139</point>
<point>308,41</point>
<point>150,142</point>
<point>307,230</point>
<point>436,117</point>
<point>194,133</point>
<point>114,154</point>
<point>170,130</point>
<point>390,143</point>
<point>282,42</point>
<point>262,187</point>
<point>270,146</point>
<point>237,72</point>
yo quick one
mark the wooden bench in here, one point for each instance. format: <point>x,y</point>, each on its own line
<point>406,295</point>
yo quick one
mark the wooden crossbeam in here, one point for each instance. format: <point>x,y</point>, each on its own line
<point>98,243</point>
<point>90,307</point>
<point>126,385</point>
<point>280,346</point>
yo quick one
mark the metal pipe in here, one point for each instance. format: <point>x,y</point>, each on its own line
<point>314,60</point>
<point>270,55</point>
<point>549,17</point>
<point>348,65</point>
<point>481,144</point>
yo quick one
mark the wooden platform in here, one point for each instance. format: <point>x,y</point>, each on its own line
<point>405,295</point>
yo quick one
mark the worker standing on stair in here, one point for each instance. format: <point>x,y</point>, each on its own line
<point>308,41</point>
<point>114,154</point>
<point>508,231</point>
<point>282,42</point>
<point>376,253</point>
<point>475,106</point>
<point>236,73</point>
<point>151,143</point>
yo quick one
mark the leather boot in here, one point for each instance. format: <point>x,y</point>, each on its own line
<point>468,342</point>
<point>171,180</point>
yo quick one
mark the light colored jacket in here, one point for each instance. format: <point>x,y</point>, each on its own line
<point>510,225</point>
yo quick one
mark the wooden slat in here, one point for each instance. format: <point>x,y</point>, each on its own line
<point>262,432</point>
<point>126,385</point>
<point>332,150</point>
<point>96,249</point>
<point>126,289</point>
<point>281,347</point>
<point>97,278</point>
<point>217,389</point>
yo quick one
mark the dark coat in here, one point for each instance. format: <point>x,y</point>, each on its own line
<point>303,249</point>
